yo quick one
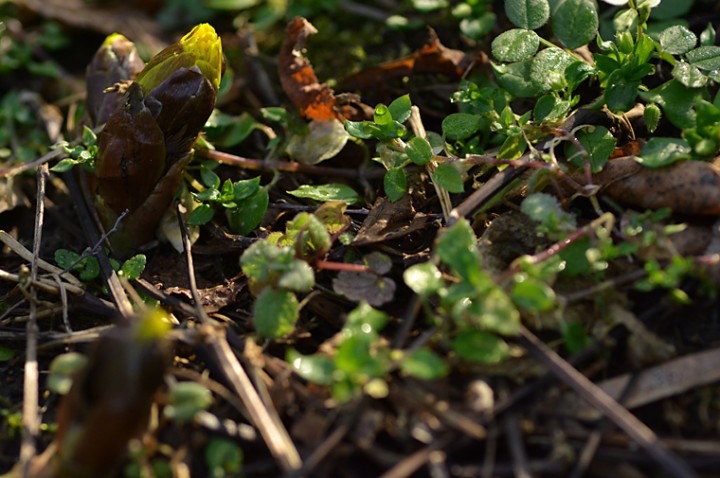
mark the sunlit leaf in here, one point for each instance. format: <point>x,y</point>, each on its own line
<point>424,364</point>
<point>327,192</point>
<point>186,399</point>
<point>479,346</point>
<point>275,313</point>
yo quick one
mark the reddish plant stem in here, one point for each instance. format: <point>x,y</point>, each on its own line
<point>555,248</point>
<point>513,163</point>
<point>342,266</point>
<point>290,167</point>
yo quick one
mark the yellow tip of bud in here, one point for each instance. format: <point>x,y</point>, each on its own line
<point>112,38</point>
<point>153,325</point>
<point>203,42</point>
<point>200,47</point>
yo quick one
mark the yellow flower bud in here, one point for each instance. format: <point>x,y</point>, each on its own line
<point>200,47</point>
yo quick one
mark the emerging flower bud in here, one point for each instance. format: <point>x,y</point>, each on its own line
<point>146,142</point>
<point>201,48</point>
<point>116,61</point>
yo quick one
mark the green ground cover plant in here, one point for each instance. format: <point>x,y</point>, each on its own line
<point>329,238</point>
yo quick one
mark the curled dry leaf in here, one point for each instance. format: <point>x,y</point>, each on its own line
<point>686,187</point>
<point>314,100</point>
<point>390,220</point>
<point>433,58</point>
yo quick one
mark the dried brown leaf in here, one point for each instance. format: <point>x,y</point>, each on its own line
<point>390,220</point>
<point>686,187</point>
<point>314,100</point>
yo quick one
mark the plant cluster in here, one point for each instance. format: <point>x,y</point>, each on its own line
<point>591,202</point>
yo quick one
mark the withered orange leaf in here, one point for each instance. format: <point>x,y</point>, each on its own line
<point>632,148</point>
<point>314,100</point>
<point>432,58</point>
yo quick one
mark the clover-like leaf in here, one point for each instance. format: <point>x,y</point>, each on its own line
<point>575,22</point>
<point>530,14</point>
<point>275,313</point>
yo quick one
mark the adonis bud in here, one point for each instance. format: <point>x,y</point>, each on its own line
<point>115,62</point>
<point>145,144</point>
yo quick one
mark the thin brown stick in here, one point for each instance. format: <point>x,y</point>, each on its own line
<point>412,463</point>
<point>44,285</point>
<point>84,210</point>
<point>327,445</point>
<point>42,160</point>
<point>24,253</point>
<point>521,467</point>
<point>290,167</point>
<point>30,415</point>
<point>272,430</point>
<point>621,417</point>
<point>418,129</point>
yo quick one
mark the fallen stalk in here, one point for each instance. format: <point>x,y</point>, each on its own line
<point>290,167</point>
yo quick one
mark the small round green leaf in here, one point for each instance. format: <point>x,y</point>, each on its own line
<point>357,358</point>
<point>457,248</point>
<point>529,14</point>
<point>659,152</point>
<point>275,313</point>
<point>677,40</point>
<point>134,267</point>
<point>458,126</point>
<point>516,79</point>
<point>66,258</point>
<point>365,319</point>
<point>186,400</point>
<point>298,277</point>
<point>533,295</point>
<point>424,364</point>
<point>395,184</point>
<point>689,75</point>
<point>361,129</point>
<point>447,177</point>
<point>201,215</point>
<point>419,150</point>
<point>424,279</point>
<point>209,178</point>
<point>400,108</point>
<point>479,346</point>
<point>599,144</point>
<point>575,22</point>
<point>549,108</point>
<point>223,457</point>
<point>327,192</point>
<point>314,368</point>
<point>515,45</point>
<point>89,268</point>
<point>382,115</point>
<point>245,188</point>
<point>249,213</point>
<point>547,69</point>
<point>64,165</point>
<point>705,57</point>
